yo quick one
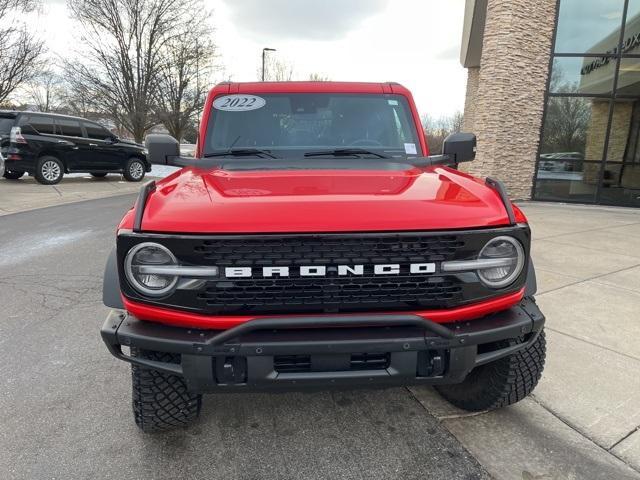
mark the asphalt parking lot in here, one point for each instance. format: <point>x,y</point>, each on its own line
<point>27,194</point>
<point>65,402</point>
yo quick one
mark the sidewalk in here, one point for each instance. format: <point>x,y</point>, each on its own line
<point>27,194</point>
<point>583,420</point>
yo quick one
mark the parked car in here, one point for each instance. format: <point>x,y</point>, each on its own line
<point>47,146</point>
<point>188,149</point>
<point>316,244</point>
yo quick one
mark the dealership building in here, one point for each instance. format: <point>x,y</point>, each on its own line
<point>553,95</point>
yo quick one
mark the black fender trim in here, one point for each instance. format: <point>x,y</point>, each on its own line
<point>531,284</point>
<point>111,283</point>
<point>143,196</point>
<point>501,190</point>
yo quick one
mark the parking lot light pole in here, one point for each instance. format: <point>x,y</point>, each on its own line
<point>264,52</point>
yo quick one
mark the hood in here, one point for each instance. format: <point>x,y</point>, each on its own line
<point>219,201</point>
<point>130,143</point>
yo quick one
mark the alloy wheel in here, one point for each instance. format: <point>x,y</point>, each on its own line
<point>136,170</point>
<point>50,171</point>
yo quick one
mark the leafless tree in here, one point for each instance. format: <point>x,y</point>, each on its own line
<point>437,129</point>
<point>45,91</point>
<point>278,70</point>
<point>182,82</point>
<point>124,43</point>
<point>319,77</point>
<point>20,51</point>
<point>77,99</point>
<point>567,119</point>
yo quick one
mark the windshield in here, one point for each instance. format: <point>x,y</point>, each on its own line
<point>290,125</point>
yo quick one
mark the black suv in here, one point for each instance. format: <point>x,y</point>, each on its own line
<point>47,146</point>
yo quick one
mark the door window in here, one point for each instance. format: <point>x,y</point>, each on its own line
<point>43,124</point>
<point>69,127</point>
<point>97,132</point>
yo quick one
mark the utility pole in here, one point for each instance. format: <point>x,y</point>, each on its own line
<point>264,52</point>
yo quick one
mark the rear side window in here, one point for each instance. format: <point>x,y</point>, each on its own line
<point>69,127</point>
<point>42,124</point>
<point>6,124</point>
<point>96,131</point>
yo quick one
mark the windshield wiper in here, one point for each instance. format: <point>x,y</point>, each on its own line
<point>344,152</point>
<point>241,152</point>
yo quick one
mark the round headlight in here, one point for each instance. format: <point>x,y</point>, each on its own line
<point>508,257</point>
<point>139,269</point>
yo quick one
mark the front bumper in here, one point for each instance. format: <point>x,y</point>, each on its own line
<point>321,352</point>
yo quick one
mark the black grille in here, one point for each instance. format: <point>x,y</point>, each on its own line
<point>292,363</point>
<point>327,250</point>
<point>358,361</point>
<point>318,291</point>
<point>370,361</point>
<point>329,293</point>
<point>332,292</point>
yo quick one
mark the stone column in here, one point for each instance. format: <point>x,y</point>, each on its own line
<point>507,112</point>
<point>473,81</point>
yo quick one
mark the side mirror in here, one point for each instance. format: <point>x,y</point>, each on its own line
<point>162,149</point>
<point>461,147</point>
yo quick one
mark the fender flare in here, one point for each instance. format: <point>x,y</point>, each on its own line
<point>531,285</point>
<point>111,283</point>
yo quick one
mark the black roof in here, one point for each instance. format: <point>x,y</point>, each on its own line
<point>15,113</point>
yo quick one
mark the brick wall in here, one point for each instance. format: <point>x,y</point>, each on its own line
<point>505,102</point>
<point>618,138</point>
<point>473,82</point>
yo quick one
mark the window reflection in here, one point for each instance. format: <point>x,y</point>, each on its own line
<point>625,126</point>
<point>632,27</point>
<point>584,113</point>
<point>588,26</point>
<point>583,75</point>
<point>621,184</point>
<point>629,77</point>
<point>567,180</point>
<point>575,126</point>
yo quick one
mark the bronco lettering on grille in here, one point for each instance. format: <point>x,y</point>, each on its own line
<point>338,270</point>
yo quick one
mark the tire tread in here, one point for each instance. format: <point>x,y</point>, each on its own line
<point>500,383</point>
<point>161,401</point>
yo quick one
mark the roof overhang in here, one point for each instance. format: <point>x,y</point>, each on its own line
<point>475,17</point>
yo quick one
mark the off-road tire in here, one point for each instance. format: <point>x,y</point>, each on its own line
<point>46,167</point>
<point>134,171</point>
<point>98,175</point>
<point>9,175</point>
<point>500,383</point>
<point>161,401</point>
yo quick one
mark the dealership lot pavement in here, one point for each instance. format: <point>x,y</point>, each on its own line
<point>583,419</point>
<point>27,194</point>
<point>64,402</point>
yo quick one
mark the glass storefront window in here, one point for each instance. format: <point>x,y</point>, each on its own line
<point>631,41</point>
<point>621,184</point>
<point>629,77</point>
<point>575,127</point>
<point>563,180</point>
<point>583,75</point>
<point>593,104</point>
<point>589,26</point>
<point>625,129</point>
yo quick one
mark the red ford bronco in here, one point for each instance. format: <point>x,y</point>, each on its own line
<point>314,243</point>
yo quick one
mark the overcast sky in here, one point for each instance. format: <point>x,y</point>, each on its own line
<point>413,42</point>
